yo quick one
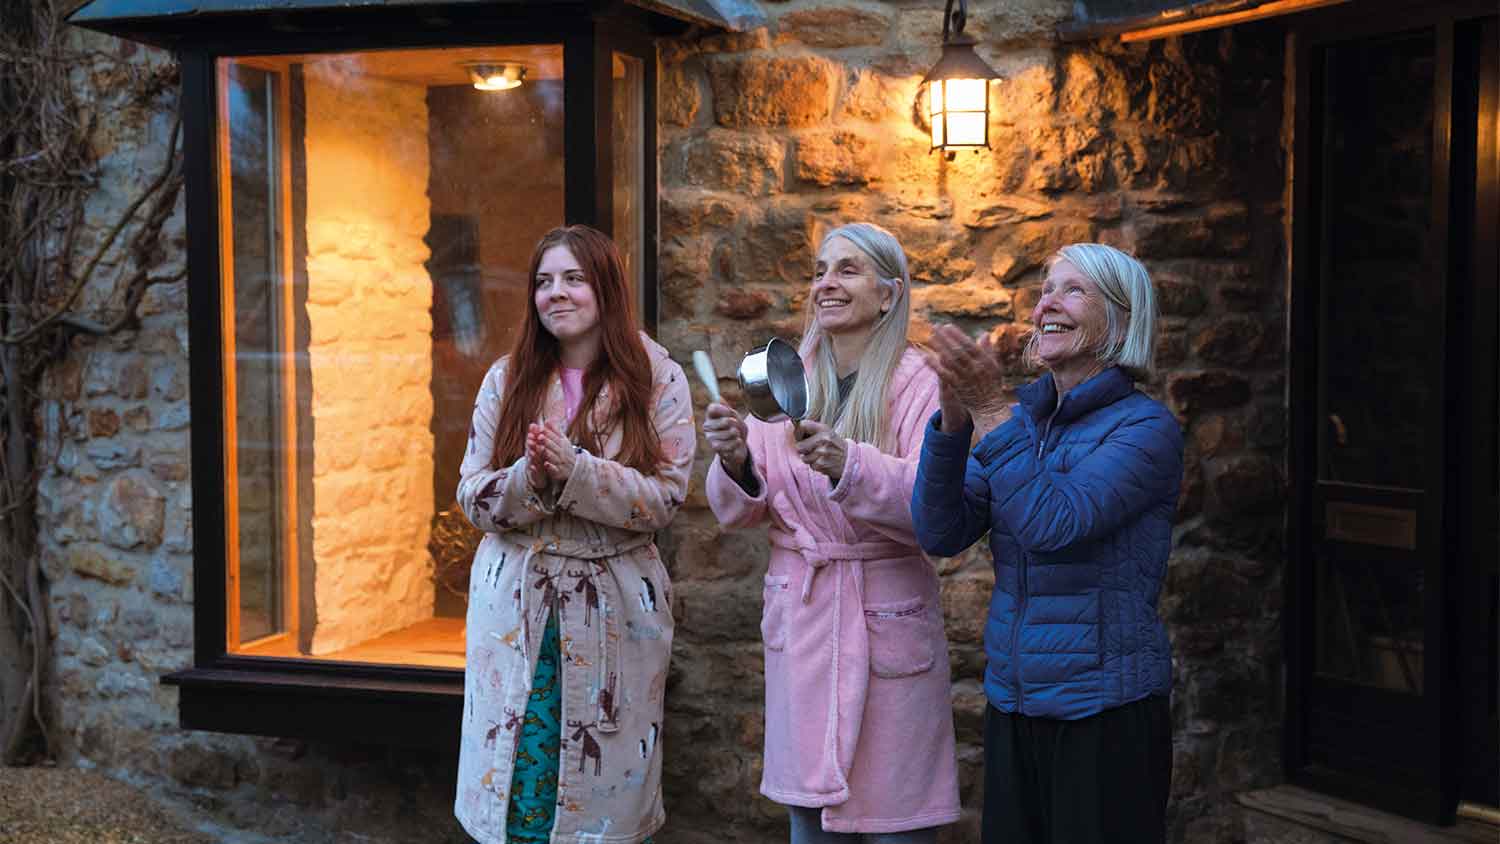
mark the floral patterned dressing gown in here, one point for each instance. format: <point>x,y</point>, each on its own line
<point>586,553</point>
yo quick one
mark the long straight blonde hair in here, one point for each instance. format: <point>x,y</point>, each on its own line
<point>863,416</point>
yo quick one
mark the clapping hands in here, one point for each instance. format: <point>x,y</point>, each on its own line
<point>549,455</point>
<point>971,376</point>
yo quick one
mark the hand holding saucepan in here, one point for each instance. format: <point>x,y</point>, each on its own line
<point>822,449</point>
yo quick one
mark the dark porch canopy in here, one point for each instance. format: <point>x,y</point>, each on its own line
<point>1137,19</point>
<point>169,23</point>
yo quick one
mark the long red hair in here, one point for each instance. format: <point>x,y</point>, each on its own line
<point>622,362</point>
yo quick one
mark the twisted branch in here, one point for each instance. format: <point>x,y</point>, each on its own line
<point>47,172</point>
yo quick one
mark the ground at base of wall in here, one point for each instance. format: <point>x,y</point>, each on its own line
<point>43,805</point>
<point>1290,815</point>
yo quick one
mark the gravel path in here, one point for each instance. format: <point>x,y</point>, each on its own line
<point>68,806</point>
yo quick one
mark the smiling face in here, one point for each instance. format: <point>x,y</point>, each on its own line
<point>1069,319</point>
<point>847,296</point>
<point>564,299</point>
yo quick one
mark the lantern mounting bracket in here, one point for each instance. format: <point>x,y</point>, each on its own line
<point>957,18</point>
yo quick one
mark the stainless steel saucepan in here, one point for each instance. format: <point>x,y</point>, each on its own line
<point>774,382</point>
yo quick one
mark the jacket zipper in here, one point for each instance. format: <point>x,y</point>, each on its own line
<point>1015,629</point>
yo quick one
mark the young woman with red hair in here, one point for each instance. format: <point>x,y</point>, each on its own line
<point>580,450</point>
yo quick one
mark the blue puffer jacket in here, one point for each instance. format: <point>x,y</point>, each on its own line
<point>1079,510</point>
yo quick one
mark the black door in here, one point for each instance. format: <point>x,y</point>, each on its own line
<point>1392,607</point>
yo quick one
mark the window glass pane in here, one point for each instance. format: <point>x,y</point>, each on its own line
<point>411,202</point>
<point>1377,331</point>
<point>253,102</point>
<point>629,168</point>
<point>1370,621</point>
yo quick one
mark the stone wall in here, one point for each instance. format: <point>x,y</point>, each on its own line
<point>1171,149</point>
<point>370,352</point>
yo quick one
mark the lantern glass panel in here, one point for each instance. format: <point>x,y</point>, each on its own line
<point>966,128</point>
<point>966,94</point>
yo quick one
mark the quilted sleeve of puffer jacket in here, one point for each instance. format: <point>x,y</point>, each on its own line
<point>1137,463</point>
<point>950,502</point>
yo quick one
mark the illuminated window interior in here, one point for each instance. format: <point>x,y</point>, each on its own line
<point>377,212</point>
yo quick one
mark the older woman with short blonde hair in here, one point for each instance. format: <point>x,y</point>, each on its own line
<point>1076,486</point>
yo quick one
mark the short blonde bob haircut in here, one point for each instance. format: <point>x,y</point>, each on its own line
<point>1129,305</point>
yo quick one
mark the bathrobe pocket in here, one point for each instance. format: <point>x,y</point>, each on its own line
<point>774,611</point>
<point>900,638</point>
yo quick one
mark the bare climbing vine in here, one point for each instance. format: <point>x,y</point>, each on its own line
<point>52,269</point>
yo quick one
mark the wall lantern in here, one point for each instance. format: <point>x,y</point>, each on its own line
<point>958,88</point>
<point>496,75</point>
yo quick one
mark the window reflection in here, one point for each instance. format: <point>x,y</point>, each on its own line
<point>629,116</point>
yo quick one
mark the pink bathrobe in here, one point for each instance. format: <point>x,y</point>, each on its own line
<point>858,711</point>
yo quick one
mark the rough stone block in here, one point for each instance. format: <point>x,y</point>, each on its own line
<point>1235,342</point>
<point>170,464</point>
<point>90,562</point>
<point>103,422</point>
<point>1246,485</point>
<point>966,601</point>
<point>164,299</point>
<point>1094,88</point>
<point>738,162</point>
<point>168,381</point>
<point>720,610</point>
<point>1207,390</point>
<point>976,299</point>
<point>879,97</point>
<point>741,304</point>
<point>678,96</point>
<point>836,158</point>
<point>688,212</point>
<point>833,27</point>
<point>1178,297</point>
<point>772,91</point>
<point>131,381</point>
<point>194,765</point>
<point>165,578</point>
<point>109,455</point>
<point>1006,210</point>
<point>777,246</point>
<point>131,512</point>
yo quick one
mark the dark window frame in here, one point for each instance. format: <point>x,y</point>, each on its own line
<point>331,700</point>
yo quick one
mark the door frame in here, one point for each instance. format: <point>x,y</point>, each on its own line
<point>1433,792</point>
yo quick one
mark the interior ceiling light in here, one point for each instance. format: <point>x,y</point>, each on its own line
<point>496,75</point>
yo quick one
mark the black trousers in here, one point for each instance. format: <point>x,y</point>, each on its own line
<point>1099,779</point>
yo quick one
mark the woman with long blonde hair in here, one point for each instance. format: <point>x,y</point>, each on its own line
<point>859,728</point>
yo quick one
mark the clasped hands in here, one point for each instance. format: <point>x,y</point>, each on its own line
<point>819,446</point>
<point>970,377</point>
<point>549,456</point>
